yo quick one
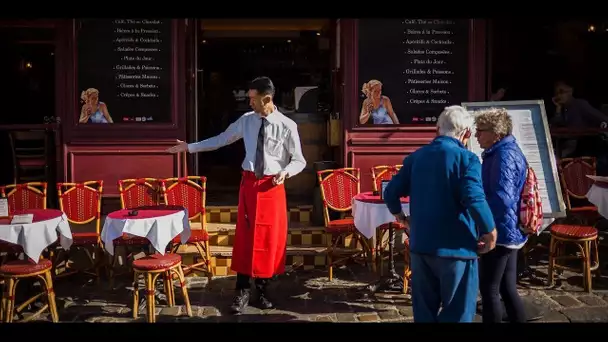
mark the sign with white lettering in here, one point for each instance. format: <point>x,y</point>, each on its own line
<point>3,207</point>
<point>124,70</point>
<point>411,69</point>
<point>531,130</point>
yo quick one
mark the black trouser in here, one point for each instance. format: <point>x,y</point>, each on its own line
<point>498,278</point>
<point>243,283</point>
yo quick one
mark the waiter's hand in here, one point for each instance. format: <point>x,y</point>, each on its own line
<point>181,146</point>
<point>279,178</point>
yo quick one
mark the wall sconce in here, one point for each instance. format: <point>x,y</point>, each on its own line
<point>25,65</point>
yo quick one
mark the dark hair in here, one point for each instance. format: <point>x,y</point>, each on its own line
<point>263,85</point>
<point>563,81</point>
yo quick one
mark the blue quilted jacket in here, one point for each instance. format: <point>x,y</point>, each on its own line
<point>503,173</point>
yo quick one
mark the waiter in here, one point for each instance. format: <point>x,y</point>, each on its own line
<point>272,154</point>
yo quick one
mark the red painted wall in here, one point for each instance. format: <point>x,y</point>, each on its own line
<point>365,147</point>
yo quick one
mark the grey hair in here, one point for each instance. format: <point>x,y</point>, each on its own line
<point>496,120</point>
<point>453,121</point>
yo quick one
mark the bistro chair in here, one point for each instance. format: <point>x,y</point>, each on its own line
<point>134,193</point>
<point>150,267</point>
<point>81,203</point>
<point>190,192</point>
<point>12,273</point>
<point>575,184</point>
<point>25,196</point>
<point>30,152</point>
<point>338,187</point>
<point>139,192</point>
<point>384,173</point>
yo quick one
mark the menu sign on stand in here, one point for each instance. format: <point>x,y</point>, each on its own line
<point>3,207</point>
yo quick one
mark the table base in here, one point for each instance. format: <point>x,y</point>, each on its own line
<point>392,282</point>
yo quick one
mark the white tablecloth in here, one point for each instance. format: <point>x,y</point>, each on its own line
<point>35,237</point>
<point>369,216</point>
<point>158,230</point>
<point>598,196</point>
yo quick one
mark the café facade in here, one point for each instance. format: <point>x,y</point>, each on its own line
<point>146,70</point>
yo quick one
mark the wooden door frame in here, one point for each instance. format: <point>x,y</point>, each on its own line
<point>192,26</point>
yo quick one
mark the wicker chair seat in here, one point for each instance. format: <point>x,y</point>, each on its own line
<point>196,235</point>
<point>156,262</point>
<point>80,239</point>
<point>341,226</point>
<point>573,232</point>
<point>127,240</point>
<point>24,267</point>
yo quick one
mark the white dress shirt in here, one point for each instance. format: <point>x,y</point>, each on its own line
<point>282,148</point>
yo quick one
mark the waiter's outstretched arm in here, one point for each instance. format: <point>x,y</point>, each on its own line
<point>294,147</point>
<point>233,133</point>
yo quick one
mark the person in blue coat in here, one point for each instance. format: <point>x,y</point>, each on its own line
<point>504,173</point>
<point>450,221</point>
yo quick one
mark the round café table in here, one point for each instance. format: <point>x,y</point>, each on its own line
<point>158,225</point>
<point>34,237</point>
<point>370,212</point>
<point>598,196</point>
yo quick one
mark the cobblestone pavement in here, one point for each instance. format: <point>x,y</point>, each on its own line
<point>307,296</point>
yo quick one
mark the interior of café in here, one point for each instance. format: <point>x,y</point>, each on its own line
<point>294,53</point>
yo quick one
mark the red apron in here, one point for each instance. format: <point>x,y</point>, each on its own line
<point>260,240</point>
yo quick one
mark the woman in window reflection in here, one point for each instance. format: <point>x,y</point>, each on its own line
<point>92,110</point>
<point>376,106</point>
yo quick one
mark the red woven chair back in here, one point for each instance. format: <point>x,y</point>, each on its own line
<point>81,202</point>
<point>25,196</point>
<point>338,187</point>
<point>188,192</point>
<point>139,192</point>
<point>572,174</point>
<point>383,172</point>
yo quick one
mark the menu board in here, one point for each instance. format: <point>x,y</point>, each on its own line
<point>531,131</point>
<point>421,66</point>
<point>124,70</point>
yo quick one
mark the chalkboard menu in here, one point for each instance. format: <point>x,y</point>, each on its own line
<point>124,70</point>
<point>421,66</point>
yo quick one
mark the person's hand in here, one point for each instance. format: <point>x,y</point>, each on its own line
<point>403,219</point>
<point>487,242</point>
<point>279,178</point>
<point>369,107</point>
<point>181,146</point>
<point>558,105</point>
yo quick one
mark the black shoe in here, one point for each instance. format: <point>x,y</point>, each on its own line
<point>264,303</point>
<point>241,301</point>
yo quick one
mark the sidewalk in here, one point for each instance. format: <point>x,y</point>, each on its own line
<point>305,296</point>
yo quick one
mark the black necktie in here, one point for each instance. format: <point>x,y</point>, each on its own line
<point>259,152</point>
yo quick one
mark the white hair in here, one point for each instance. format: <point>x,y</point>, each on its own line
<point>453,121</point>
